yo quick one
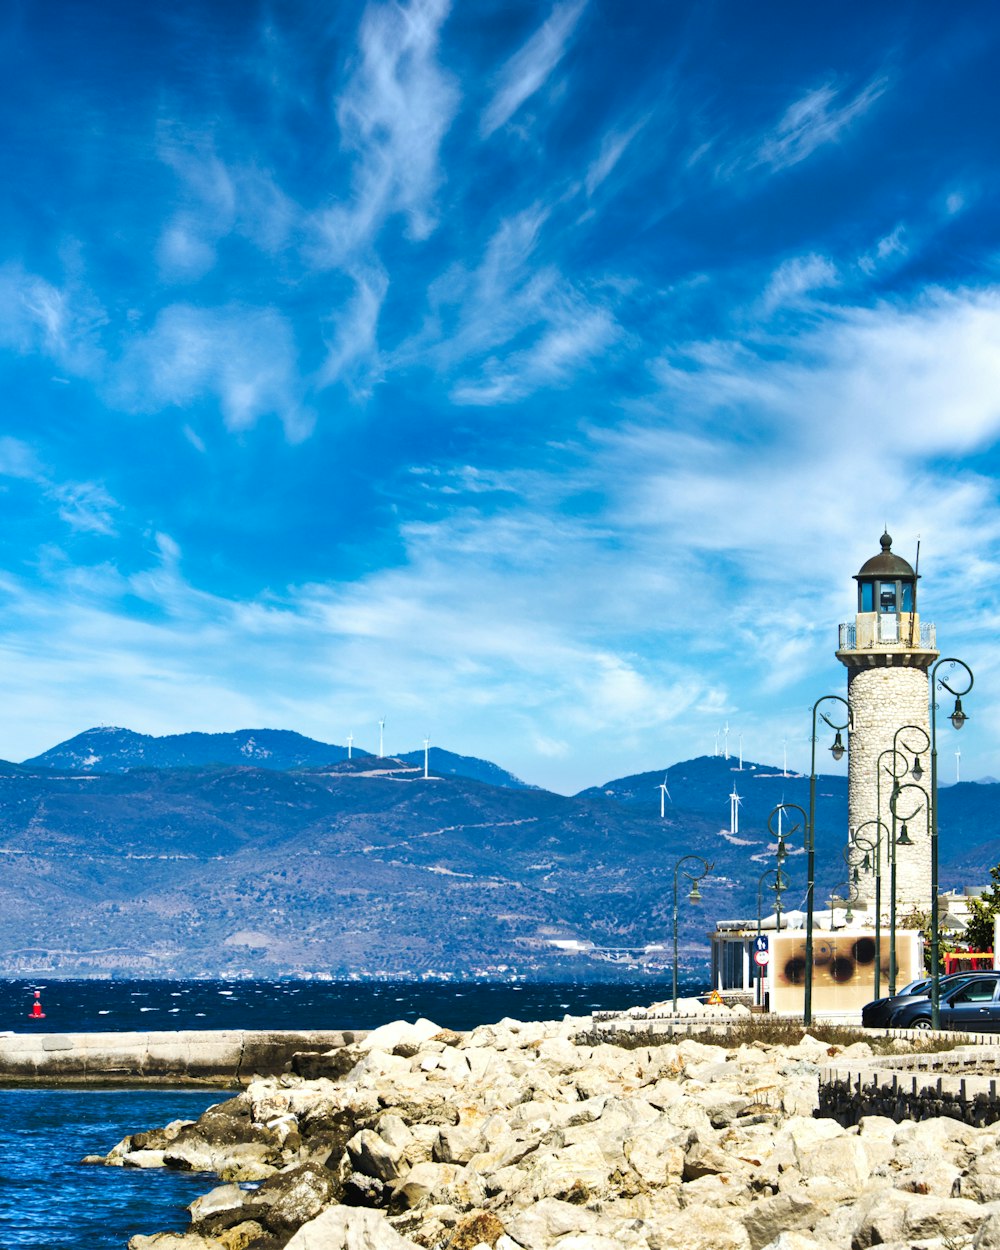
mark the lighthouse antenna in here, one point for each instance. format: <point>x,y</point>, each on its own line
<point>916,583</point>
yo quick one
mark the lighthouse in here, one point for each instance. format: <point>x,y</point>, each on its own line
<point>887,652</point>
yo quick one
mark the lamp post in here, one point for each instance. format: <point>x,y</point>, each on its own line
<point>694,896</point>
<point>897,768</point>
<point>958,719</point>
<point>782,810</point>
<point>872,848</point>
<point>900,768</point>
<point>837,751</point>
<point>780,884</point>
<point>849,897</point>
<point>903,839</point>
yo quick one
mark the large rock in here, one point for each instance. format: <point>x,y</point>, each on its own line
<point>349,1228</point>
<point>539,1225</point>
<point>767,1219</point>
<point>174,1241</point>
<point>704,1229</point>
<point>289,1199</point>
<point>400,1036</point>
<point>371,1155</point>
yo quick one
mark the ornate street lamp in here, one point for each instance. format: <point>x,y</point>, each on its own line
<point>694,896</point>
<point>958,719</point>
<point>850,896</point>
<point>897,768</point>
<point>837,751</point>
<point>801,821</point>
<point>872,862</point>
<point>780,885</point>
<point>901,839</point>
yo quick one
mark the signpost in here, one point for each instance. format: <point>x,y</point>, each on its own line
<point>761,957</point>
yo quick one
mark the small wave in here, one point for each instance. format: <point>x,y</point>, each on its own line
<point>104,1012</point>
<point>149,1009</point>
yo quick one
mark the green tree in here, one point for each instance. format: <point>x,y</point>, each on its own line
<point>982,911</point>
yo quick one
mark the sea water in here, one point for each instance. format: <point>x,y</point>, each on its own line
<point>50,1201</point>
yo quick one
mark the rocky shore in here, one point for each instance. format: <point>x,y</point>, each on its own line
<point>542,1136</point>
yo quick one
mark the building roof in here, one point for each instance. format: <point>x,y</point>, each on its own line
<point>886,564</point>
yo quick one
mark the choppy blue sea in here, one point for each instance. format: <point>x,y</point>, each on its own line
<point>49,1201</point>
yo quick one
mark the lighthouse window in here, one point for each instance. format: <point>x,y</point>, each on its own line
<point>887,597</point>
<point>867,597</point>
<point>907,597</point>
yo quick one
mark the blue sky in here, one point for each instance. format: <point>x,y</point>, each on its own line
<point>533,375</point>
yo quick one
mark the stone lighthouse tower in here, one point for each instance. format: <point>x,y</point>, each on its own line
<point>887,653</point>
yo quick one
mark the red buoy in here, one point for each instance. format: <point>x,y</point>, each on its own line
<point>36,1012</point>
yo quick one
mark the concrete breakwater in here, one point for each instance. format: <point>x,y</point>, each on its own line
<point>224,1057</point>
<point>540,1136</point>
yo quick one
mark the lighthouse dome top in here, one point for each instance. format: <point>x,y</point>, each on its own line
<point>886,564</point>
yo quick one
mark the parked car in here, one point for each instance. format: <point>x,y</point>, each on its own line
<point>878,1013</point>
<point>969,1002</point>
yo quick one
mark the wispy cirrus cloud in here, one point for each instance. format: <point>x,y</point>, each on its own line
<point>244,358</point>
<point>529,68</point>
<point>353,343</point>
<point>218,199</point>
<point>816,118</point>
<point>394,113</point>
<point>797,277</point>
<point>63,323</point>
<point>613,147</point>
<point>513,323</point>
<point>86,507</point>
<point>819,117</point>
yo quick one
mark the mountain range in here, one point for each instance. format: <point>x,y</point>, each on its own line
<point>264,853</point>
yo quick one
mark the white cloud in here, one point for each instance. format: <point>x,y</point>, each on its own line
<point>18,459</point>
<point>39,318</point>
<point>353,343</point>
<point>612,149</point>
<point>217,200</point>
<point>86,506</point>
<point>394,113</point>
<point>797,277</point>
<point>245,358</point>
<point>817,118</point>
<point>83,506</point>
<point>574,337</point>
<point>529,67</point>
<point>891,248</point>
<point>551,328</point>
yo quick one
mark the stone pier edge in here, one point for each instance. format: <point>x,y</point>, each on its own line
<point>222,1057</point>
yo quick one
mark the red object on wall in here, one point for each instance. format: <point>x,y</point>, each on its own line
<point>967,961</point>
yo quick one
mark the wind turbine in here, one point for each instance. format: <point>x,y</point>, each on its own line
<point>350,742</point>
<point>734,812</point>
<point>427,743</point>
<point>664,795</point>
<point>958,765</point>
<point>381,731</point>
<point>726,740</point>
